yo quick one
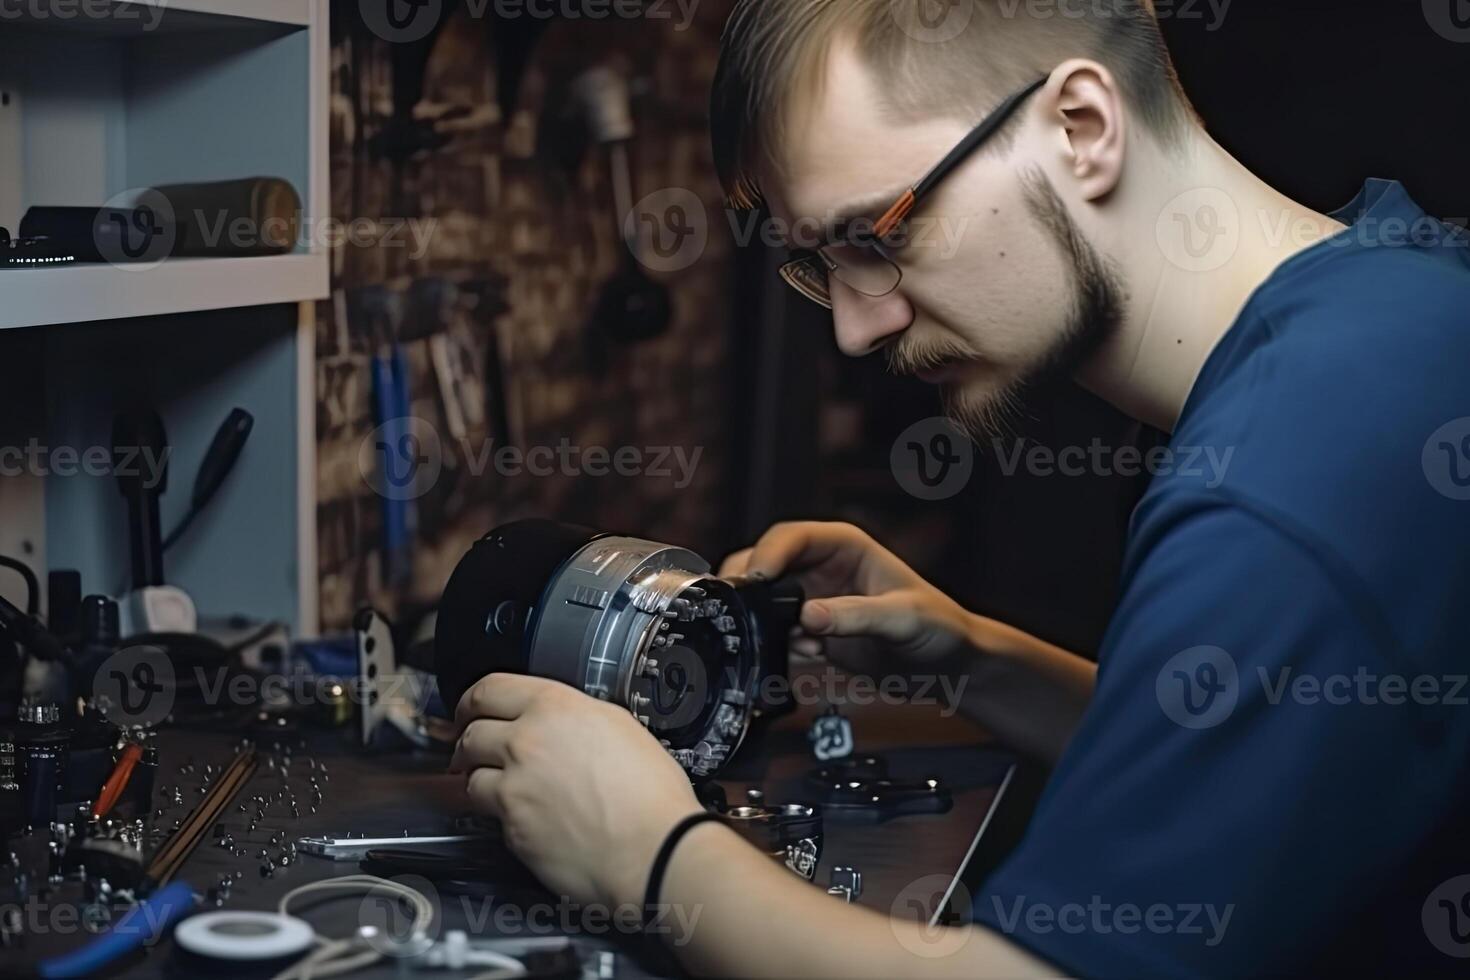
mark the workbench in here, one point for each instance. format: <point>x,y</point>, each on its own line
<point>905,862</point>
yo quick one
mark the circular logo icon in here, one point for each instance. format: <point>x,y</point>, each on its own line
<point>401,459</point>
<point>670,229</point>
<point>678,696</point>
<point>1446,917</point>
<point>932,21</point>
<point>932,459</point>
<point>920,901</point>
<point>401,21</point>
<point>1446,459</point>
<point>1198,687</point>
<point>135,230</point>
<point>135,686</point>
<point>1449,18</point>
<point>386,921</point>
<point>1199,230</point>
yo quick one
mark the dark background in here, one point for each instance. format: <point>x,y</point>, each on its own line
<point>1312,96</point>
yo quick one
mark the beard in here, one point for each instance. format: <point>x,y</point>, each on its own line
<point>1095,315</point>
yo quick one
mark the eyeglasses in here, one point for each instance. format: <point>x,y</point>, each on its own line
<point>865,263</point>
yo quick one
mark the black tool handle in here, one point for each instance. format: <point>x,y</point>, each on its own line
<point>139,456</point>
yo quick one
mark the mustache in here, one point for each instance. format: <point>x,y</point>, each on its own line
<point>911,355</point>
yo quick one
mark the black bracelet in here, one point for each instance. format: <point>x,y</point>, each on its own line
<point>661,863</point>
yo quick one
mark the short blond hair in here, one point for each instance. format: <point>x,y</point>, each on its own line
<point>775,50</point>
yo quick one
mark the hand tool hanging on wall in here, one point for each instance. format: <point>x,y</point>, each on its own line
<point>219,461</point>
<point>138,438</point>
<point>380,312</point>
<point>513,39</point>
<point>631,306</point>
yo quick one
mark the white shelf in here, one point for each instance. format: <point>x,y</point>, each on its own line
<point>163,16</point>
<point>81,293</point>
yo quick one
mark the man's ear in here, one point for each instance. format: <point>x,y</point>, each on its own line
<point>1089,106</point>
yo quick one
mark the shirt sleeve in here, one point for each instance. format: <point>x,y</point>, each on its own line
<point>1256,772</point>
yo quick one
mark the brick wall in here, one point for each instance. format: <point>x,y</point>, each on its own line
<point>524,231</point>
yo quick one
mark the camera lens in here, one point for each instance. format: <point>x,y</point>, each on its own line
<point>638,623</point>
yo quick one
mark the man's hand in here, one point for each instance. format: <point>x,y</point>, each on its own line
<point>1029,693</point>
<point>586,795</point>
<point>858,588</point>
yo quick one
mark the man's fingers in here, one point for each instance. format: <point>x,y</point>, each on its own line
<point>788,548</point>
<point>503,696</point>
<point>483,743</point>
<point>483,789</point>
<point>889,617</point>
<point>735,564</point>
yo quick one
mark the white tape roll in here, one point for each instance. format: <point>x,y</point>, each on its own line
<point>243,935</point>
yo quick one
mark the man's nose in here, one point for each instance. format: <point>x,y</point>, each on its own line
<point>866,323</point>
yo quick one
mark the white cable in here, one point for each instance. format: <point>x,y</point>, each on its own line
<point>339,956</point>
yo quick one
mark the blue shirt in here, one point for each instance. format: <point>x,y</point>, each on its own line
<point>1272,776</point>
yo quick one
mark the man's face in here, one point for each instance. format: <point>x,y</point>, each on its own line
<point>999,285</point>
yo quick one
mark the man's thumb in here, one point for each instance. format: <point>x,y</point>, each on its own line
<point>879,616</point>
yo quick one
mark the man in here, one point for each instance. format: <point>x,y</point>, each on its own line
<point>1268,771</point>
